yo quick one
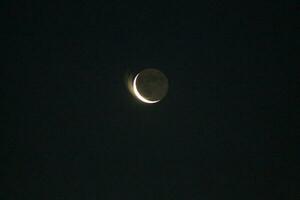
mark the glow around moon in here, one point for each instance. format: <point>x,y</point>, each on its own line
<point>138,95</point>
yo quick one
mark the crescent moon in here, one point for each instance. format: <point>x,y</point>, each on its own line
<point>138,95</point>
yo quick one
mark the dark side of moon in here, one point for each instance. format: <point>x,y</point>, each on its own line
<point>152,84</point>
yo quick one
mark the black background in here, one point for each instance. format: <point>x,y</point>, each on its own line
<point>73,131</point>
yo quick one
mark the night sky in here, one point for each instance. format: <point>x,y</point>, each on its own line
<point>71,129</point>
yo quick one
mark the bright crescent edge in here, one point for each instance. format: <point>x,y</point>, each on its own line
<point>138,95</point>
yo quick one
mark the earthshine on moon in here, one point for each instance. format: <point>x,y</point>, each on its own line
<point>150,86</point>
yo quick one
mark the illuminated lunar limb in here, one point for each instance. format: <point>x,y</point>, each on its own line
<point>138,95</point>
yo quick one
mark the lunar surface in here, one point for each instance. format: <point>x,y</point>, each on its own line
<point>150,85</point>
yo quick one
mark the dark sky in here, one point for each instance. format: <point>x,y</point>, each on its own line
<point>73,131</point>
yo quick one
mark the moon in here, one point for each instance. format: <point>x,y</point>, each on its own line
<point>138,95</point>
<point>150,86</point>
